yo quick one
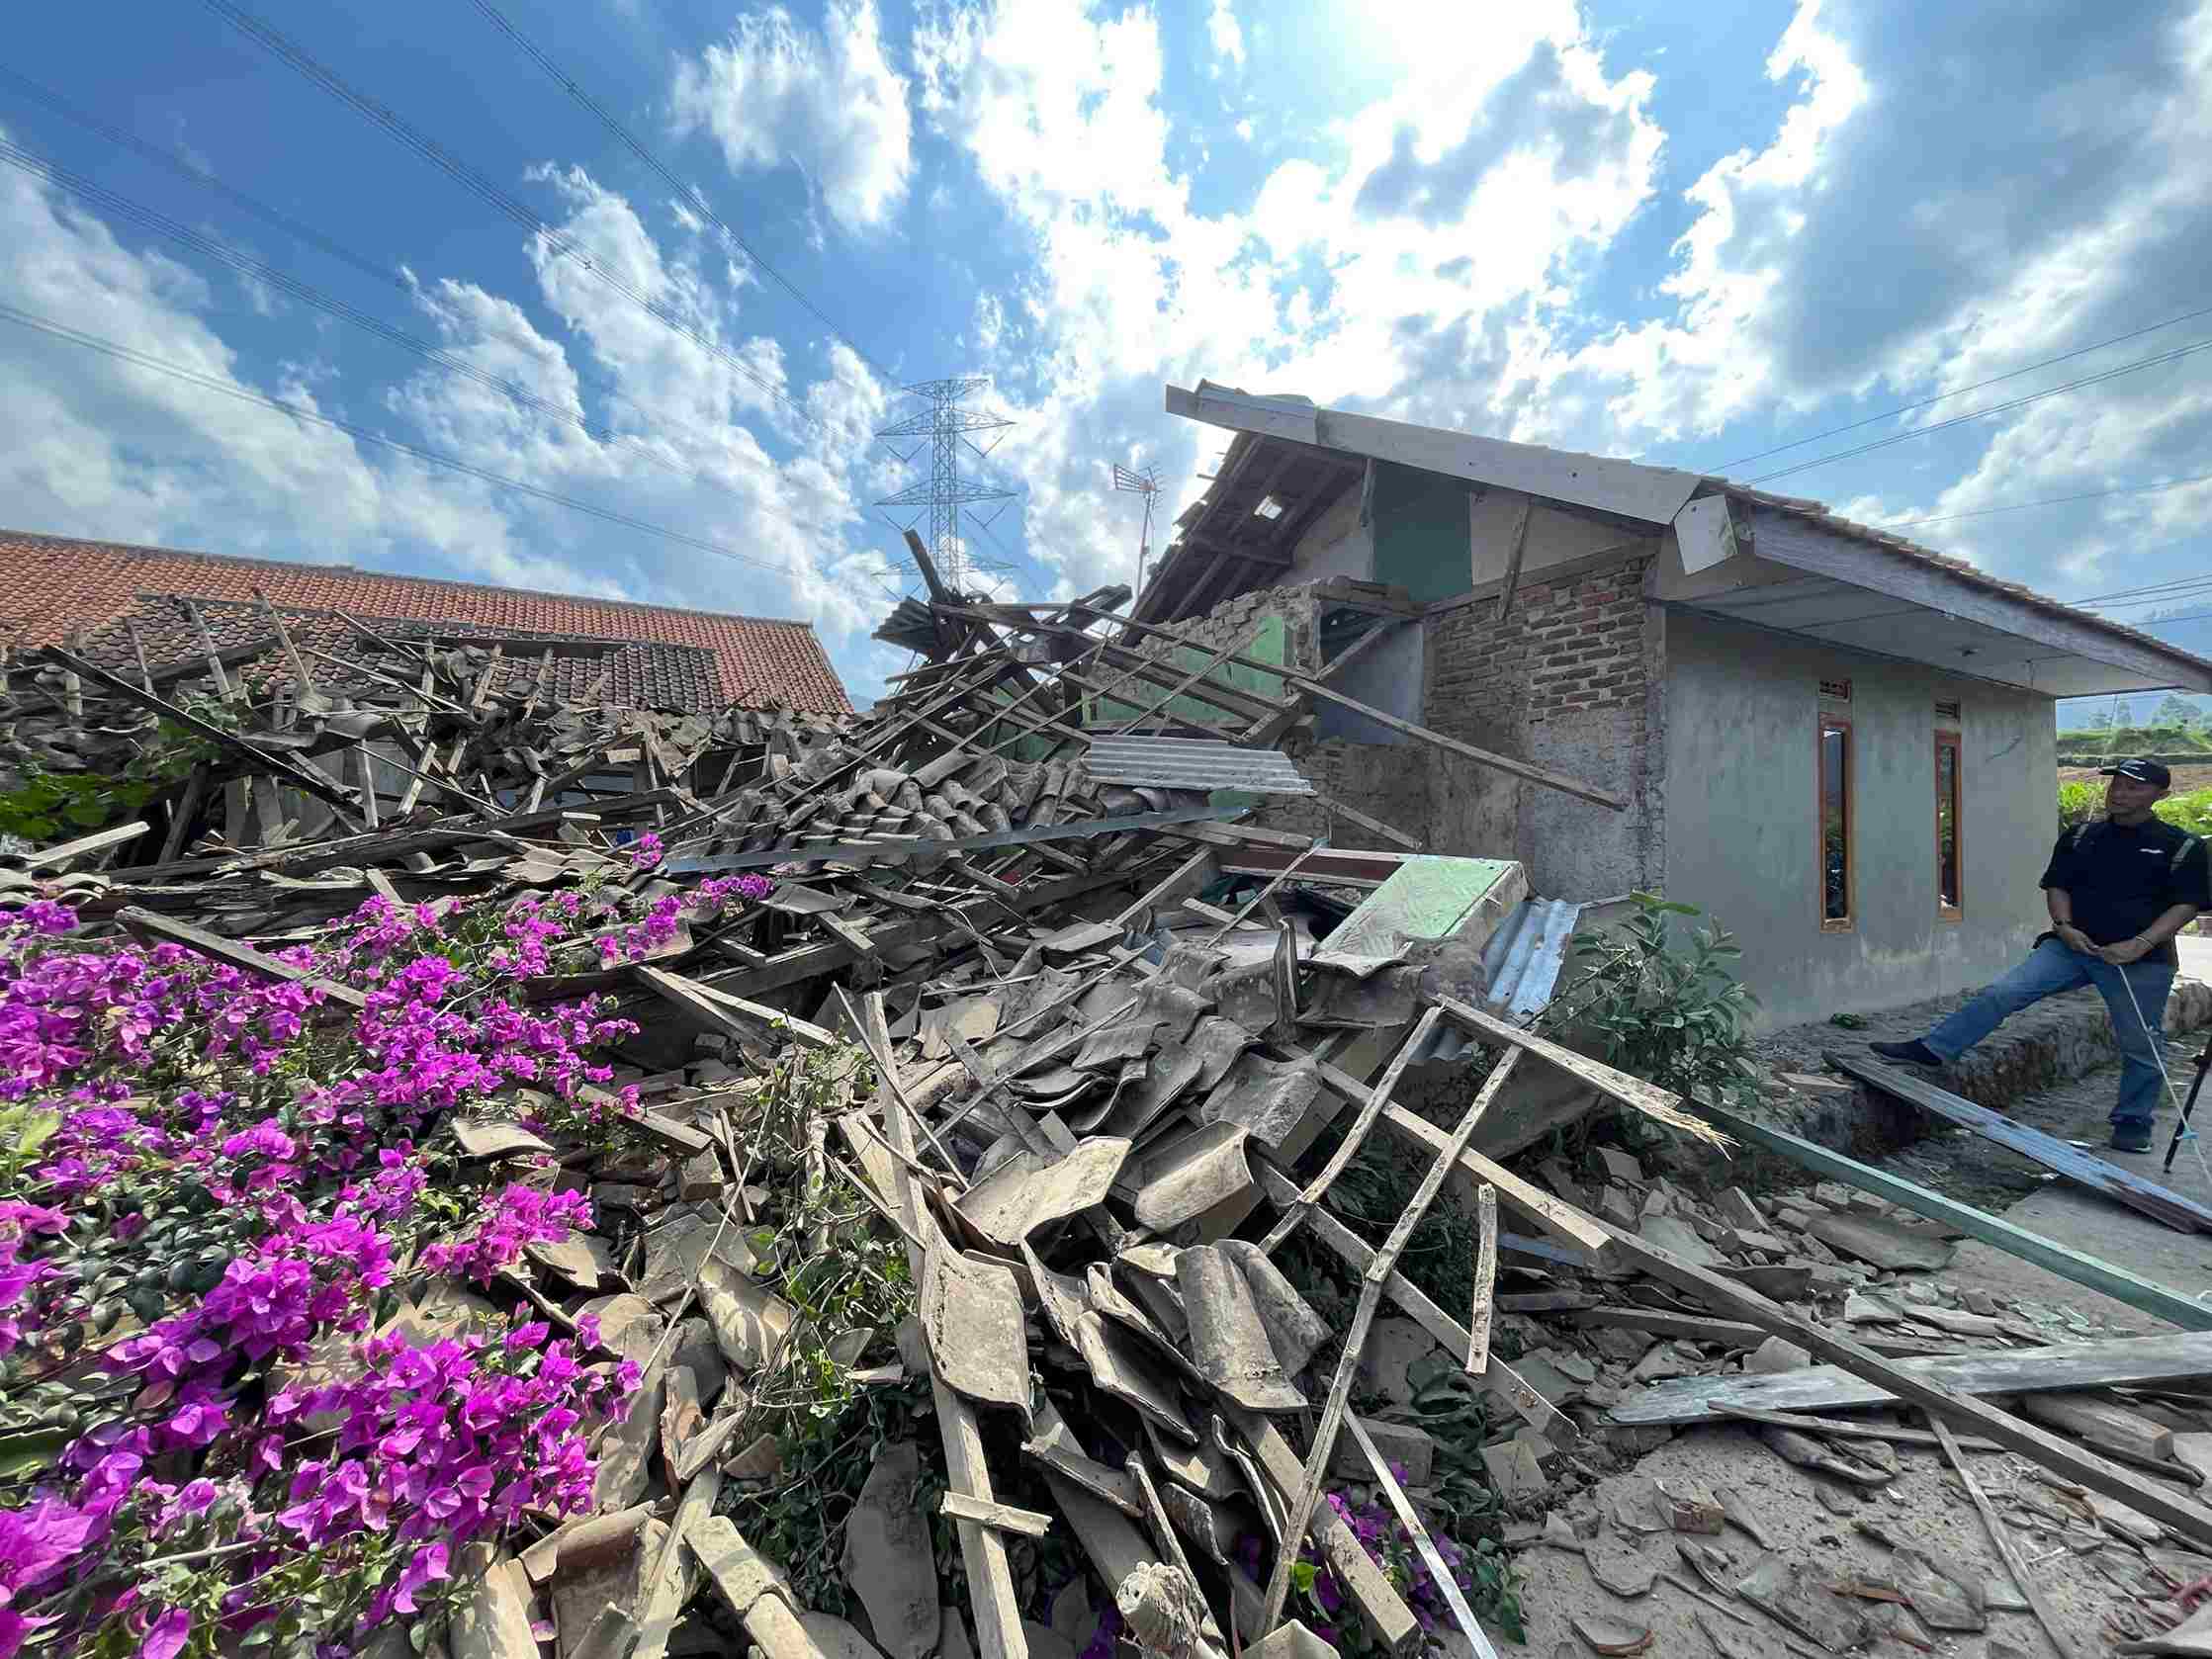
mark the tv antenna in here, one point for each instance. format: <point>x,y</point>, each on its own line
<point>1144,482</point>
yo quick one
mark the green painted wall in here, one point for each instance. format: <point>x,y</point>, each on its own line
<point>1268,645</point>
<point>1421,532</point>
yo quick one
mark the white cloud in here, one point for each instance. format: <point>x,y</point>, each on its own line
<point>1227,36</point>
<point>827,99</point>
<point>108,450</point>
<point>1492,166</point>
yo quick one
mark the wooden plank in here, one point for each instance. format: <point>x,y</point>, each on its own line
<point>98,842</point>
<point>289,770</point>
<point>1553,1424</point>
<point>242,957</point>
<point>983,1549</point>
<point>1700,1327</point>
<point>1516,546</point>
<point>1552,1216</point>
<point>1662,1104</point>
<point>1340,809</point>
<point>1526,770</point>
<point>1845,1429</point>
<point>2065,1261</point>
<point>1391,1621</point>
<point>2159,1203</point>
<point>2001,1539</point>
<point>1485,1280</point>
<point>1363,1317</point>
<point>1441,1575</point>
<point>1004,1517</point>
<point>223,689</point>
<point>1920,1382</point>
<point>1295,1212</point>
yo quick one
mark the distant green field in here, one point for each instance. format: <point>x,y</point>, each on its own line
<point>2080,748</point>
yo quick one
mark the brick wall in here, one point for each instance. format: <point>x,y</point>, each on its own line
<point>1572,680</point>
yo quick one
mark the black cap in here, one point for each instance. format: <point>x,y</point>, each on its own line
<point>2139,771</point>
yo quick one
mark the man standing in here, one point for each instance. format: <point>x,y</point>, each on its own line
<point>2118,888</point>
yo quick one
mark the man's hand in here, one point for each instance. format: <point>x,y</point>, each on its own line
<point>2075,939</point>
<point>2126,952</point>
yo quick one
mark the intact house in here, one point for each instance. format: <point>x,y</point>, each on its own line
<point>1838,744</point>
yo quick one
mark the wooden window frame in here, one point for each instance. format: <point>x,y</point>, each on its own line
<point>1823,723</point>
<point>1949,740</point>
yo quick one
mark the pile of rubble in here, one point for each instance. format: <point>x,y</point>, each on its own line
<point>1000,1107</point>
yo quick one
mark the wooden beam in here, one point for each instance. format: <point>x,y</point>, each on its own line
<point>1516,545</point>
<point>983,1549</point>
<point>2159,1203</point>
<point>1526,770</point>
<point>282,767</point>
<point>149,924</point>
<point>2065,1261</point>
<point>1356,1253</point>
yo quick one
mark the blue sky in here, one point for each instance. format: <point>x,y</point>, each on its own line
<point>1690,234</point>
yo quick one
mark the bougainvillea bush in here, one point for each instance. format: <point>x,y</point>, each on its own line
<point>215,1193</point>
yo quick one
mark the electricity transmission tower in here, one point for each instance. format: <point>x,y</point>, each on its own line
<point>1144,482</point>
<point>946,427</point>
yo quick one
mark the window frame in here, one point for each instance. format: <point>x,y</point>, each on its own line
<point>1946,739</point>
<point>1823,723</point>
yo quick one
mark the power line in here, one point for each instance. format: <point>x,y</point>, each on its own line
<point>2048,501</point>
<point>124,208</point>
<point>562,246</point>
<point>2173,356</point>
<point>1961,392</point>
<point>125,353</point>
<point>691,193</point>
<point>2182,585</point>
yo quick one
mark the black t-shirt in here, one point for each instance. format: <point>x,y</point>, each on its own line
<point>2122,878</point>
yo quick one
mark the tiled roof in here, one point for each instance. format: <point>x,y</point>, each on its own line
<point>680,679</point>
<point>50,586</point>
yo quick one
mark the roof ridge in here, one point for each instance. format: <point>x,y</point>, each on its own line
<point>395,576</point>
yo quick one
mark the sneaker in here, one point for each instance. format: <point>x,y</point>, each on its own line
<point>1913,1052</point>
<point>2131,1137</point>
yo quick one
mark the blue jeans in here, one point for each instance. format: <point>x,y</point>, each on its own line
<point>2054,968</point>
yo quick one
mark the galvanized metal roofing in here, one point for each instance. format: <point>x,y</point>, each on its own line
<point>1192,763</point>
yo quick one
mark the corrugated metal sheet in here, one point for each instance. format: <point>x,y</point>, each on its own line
<point>1523,959</point>
<point>1192,763</point>
<point>1522,964</point>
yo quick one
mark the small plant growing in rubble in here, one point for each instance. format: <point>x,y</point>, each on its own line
<point>1661,1004</point>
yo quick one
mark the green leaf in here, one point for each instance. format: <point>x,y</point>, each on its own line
<point>1302,1575</point>
<point>36,1130</point>
<point>23,1454</point>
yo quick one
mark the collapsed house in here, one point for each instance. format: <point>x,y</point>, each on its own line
<point>1834,740</point>
<point>1000,1005</point>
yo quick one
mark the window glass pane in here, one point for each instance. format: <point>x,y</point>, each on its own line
<point>1835,823</point>
<point>1947,824</point>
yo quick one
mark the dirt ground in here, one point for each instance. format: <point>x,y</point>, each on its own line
<point>2087,1578</point>
<point>1922,1506</point>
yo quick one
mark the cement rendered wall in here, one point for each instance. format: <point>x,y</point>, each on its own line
<point>1741,837</point>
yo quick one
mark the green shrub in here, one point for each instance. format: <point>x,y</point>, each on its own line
<point>1660,1006</point>
<point>2192,811</point>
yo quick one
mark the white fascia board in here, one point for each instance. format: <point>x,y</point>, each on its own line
<point>1626,489</point>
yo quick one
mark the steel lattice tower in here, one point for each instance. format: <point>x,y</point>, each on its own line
<point>947,427</point>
